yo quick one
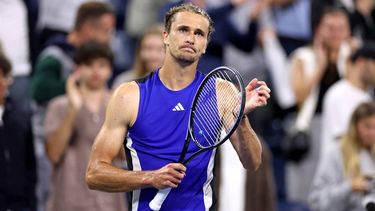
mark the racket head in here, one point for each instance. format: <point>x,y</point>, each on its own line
<point>217,108</point>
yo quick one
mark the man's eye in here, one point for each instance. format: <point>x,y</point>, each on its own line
<point>199,34</point>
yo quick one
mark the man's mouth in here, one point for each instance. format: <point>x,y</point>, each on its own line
<point>188,48</point>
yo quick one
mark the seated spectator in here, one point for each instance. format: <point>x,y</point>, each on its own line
<point>72,122</point>
<point>149,56</point>
<point>341,178</point>
<point>17,160</point>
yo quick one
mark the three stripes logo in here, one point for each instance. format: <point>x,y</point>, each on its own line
<point>178,107</point>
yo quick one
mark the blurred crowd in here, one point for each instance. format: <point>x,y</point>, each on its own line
<point>61,60</point>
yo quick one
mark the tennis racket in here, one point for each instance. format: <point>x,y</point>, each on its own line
<point>215,113</point>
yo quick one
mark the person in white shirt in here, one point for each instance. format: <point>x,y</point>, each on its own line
<point>346,94</point>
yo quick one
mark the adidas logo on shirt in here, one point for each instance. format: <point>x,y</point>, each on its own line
<point>178,107</point>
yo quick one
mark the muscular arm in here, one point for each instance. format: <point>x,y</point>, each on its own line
<point>101,174</point>
<point>247,145</point>
<point>244,139</point>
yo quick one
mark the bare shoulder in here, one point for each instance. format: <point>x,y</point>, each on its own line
<point>124,103</point>
<point>127,90</point>
<point>59,101</point>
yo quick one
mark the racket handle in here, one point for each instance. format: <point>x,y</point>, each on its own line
<point>157,201</point>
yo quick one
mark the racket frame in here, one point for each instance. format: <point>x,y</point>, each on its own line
<point>190,132</point>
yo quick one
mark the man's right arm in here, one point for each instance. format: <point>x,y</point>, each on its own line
<point>101,174</point>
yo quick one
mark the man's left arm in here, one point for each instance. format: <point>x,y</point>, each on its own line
<point>244,139</point>
<point>247,145</point>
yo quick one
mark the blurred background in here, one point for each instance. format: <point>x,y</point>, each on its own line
<point>317,131</point>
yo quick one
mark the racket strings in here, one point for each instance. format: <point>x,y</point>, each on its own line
<point>217,109</point>
<point>206,116</point>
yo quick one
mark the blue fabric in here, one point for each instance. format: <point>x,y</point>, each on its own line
<point>294,20</point>
<point>157,138</point>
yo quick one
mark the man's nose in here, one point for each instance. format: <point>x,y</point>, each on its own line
<point>190,38</point>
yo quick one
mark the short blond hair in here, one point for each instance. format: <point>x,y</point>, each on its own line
<point>188,7</point>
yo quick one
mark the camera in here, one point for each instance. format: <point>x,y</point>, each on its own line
<point>368,200</point>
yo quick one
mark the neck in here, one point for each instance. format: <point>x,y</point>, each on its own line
<point>93,98</point>
<point>86,91</point>
<point>332,55</point>
<point>177,75</point>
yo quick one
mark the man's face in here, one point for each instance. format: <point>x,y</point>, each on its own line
<point>96,74</point>
<point>334,29</point>
<point>187,39</point>
<point>102,29</point>
<point>5,82</point>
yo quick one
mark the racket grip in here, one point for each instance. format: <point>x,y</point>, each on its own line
<point>157,201</point>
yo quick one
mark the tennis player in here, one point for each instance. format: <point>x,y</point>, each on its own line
<point>150,117</point>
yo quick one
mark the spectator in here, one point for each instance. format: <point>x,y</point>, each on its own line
<point>345,95</point>
<point>57,17</point>
<point>17,160</point>
<point>341,179</point>
<point>94,21</point>
<point>149,56</point>
<point>72,122</point>
<point>314,69</point>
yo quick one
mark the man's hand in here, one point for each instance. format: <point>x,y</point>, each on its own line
<point>72,91</point>
<point>169,176</point>
<point>256,96</point>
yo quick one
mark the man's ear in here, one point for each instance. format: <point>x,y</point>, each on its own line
<point>165,38</point>
<point>204,50</point>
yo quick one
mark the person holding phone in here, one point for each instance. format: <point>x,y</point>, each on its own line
<point>72,122</point>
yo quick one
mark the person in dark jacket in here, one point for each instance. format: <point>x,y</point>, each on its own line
<point>17,157</point>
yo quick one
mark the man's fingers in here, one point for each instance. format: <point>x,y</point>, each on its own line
<point>263,100</point>
<point>252,85</point>
<point>177,167</point>
<point>264,93</point>
<point>172,174</point>
<point>263,86</point>
<point>173,180</point>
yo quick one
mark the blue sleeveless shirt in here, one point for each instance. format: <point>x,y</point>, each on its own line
<point>157,138</point>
